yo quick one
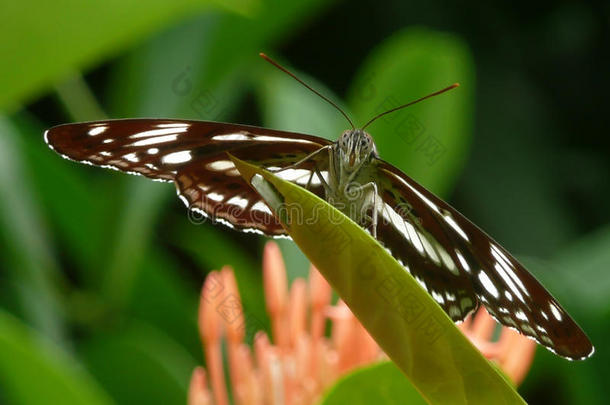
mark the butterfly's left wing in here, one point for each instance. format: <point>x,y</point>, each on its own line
<point>193,154</point>
<point>461,265</point>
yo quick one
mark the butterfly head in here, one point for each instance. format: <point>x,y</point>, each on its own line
<point>356,146</point>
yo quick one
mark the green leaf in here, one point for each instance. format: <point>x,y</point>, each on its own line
<point>402,317</point>
<point>71,34</point>
<point>378,384</point>
<point>140,365</point>
<point>26,245</point>
<point>429,140</point>
<point>34,371</point>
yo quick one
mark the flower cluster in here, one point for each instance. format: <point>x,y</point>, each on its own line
<point>302,360</point>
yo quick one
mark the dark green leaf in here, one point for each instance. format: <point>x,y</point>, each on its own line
<point>73,34</point>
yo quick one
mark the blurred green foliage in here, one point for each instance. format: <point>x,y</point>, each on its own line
<point>100,272</point>
<point>381,383</point>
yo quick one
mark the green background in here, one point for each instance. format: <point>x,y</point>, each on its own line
<point>100,272</point>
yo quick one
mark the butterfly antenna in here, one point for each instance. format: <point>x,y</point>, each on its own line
<point>283,69</point>
<point>436,93</point>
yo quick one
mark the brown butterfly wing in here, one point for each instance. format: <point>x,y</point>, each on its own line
<point>415,238</point>
<point>485,271</point>
<point>193,154</point>
<point>213,186</point>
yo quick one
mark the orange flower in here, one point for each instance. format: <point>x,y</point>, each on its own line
<point>302,361</point>
<point>513,352</point>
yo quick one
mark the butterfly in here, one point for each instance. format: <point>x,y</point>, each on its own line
<point>459,265</point>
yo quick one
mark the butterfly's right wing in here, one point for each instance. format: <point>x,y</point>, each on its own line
<point>461,266</point>
<point>193,154</point>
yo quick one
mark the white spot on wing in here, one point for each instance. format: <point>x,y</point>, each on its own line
<point>488,285</point>
<point>231,137</point>
<point>155,140</point>
<point>97,130</point>
<point>438,297</point>
<point>269,138</point>
<point>555,311</point>
<point>521,315</point>
<point>414,238</point>
<point>158,132</point>
<point>220,165</point>
<point>177,157</point>
<point>421,282</point>
<point>398,222</point>
<point>215,196</point>
<point>509,282</point>
<point>262,207</point>
<point>507,266</point>
<point>449,219</point>
<point>429,249</point>
<point>463,261</point>
<point>131,157</point>
<point>240,202</point>
<point>447,260</point>
<point>293,174</point>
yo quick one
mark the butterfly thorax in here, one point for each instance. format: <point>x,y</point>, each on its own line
<point>350,175</point>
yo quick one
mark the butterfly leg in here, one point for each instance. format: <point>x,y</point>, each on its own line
<point>374,217</point>
<point>368,189</point>
<point>322,181</point>
<point>316,171</point>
